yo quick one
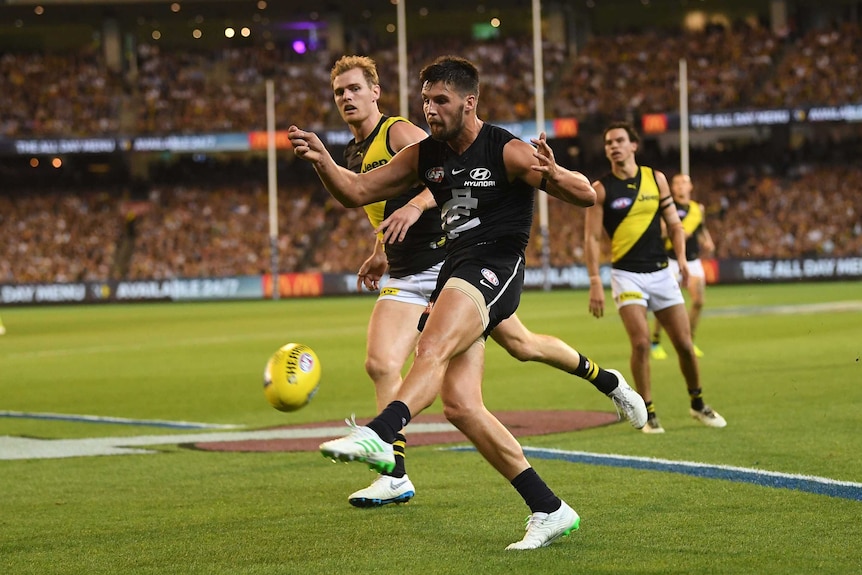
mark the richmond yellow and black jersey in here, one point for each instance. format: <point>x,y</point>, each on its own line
<point>691,215</point>
<point>632,221</point>
<point>422,246</point>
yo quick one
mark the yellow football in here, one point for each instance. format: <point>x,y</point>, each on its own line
<point>291,377</point>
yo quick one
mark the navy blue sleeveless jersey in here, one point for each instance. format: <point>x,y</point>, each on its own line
<point>478,203</point>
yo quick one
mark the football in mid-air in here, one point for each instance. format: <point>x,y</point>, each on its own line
<point>291,377</point>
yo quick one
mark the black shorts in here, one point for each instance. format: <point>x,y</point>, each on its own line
<point>494,271</point>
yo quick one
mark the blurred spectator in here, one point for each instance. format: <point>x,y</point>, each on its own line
<point>616,76</point>
<point>187,91</point>
<point>218,224</point>
<point>57,236</point>
<point>822,68</point>
<point>58,94</point>
<point>222,229</point>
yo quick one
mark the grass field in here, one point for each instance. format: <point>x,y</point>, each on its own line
<point>787,375</point>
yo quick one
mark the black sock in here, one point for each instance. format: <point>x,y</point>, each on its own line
<point>537,495</point>
<point>399,447</point>
<point>391,421</point>
<point>603,380</point>
<point>696,397</point>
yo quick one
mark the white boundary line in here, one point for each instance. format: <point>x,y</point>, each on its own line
<point>808,483</point>
<point>117,420</point>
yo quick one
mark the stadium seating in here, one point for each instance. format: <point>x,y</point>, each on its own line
<point>183,91</point>
<point>213,223</point>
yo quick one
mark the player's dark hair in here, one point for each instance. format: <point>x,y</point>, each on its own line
<point>458,73</point>
<point>630,130</point>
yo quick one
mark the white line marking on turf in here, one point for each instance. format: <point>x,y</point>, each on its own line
<point>28,448</point>
<point>762,477</point>
<point>116,420</point>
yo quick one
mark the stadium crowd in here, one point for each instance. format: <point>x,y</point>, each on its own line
<point>222,230</point>
<point>184,91</point>
<point>616,76</point>
<point>213,226</point>
<point>56,236</point>
<point>821,68</point>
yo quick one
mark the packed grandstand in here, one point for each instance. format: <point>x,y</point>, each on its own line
<point>777,191</point>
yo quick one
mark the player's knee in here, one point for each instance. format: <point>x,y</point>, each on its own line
<point>641,346</point>
<point>685,352</point>
<point>457,413</point>
<point>683,345</point>
<point>380,367</point>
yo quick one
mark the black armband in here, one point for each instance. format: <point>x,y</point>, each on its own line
<point>666,202</point>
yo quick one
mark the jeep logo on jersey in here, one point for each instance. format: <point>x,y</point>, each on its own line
<point>434,175</point>
<point>621,203</point>
<point>480,174</point>
<point>490,276</point>
<point>376,164</point>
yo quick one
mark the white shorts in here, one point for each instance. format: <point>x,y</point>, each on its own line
<point>695,268</point>
<point>653,290</point>
<point>415,289</point>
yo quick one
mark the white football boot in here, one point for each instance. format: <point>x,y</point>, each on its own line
<point>653,426</point>
<point>545,528</point>
<point>628,402</point>
<point>708,416</point>
<point>361,444</point>
<point>385,490</point>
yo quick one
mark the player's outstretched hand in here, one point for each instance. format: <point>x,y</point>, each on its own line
<point>306,145</point>
<point>547,164</point>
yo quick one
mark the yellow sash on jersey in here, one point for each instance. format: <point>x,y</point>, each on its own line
<point>692,220</point>
<point>379,153</point>
<point>639,217</point>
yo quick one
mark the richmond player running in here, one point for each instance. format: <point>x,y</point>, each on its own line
<point>630,202</point>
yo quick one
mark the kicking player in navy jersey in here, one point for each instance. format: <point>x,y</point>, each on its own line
<point>411,245</point>
<point>483,179</point>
